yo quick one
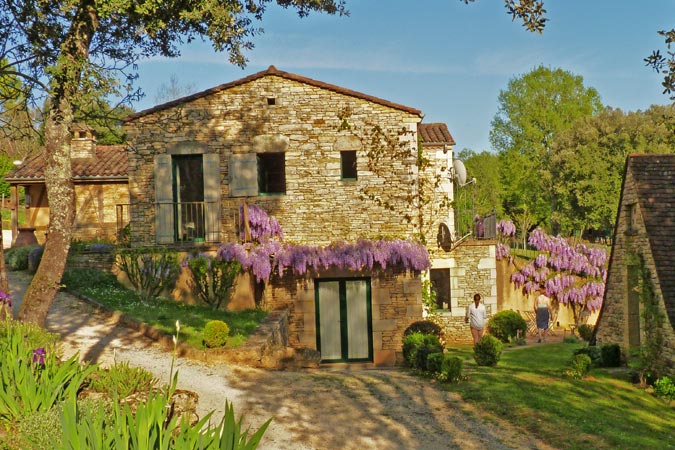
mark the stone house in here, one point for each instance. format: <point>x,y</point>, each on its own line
<point>100,179</point>
<point>640,287</point>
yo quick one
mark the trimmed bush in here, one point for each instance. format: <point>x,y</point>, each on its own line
<point>611,355</point>
<point>505,325</point>
<point>34,258</point>
<point>593,352</point>
<point>580,365</point>
<point>216,333</point>
<point>571,339</point>
<point>586,332</point>
<point>16,258</point>
<point>451,369</point>
<point>487,351</point>
<point>435,362</point>
<point>417,347</point>
<point>665,388</point>
<point>424,327</point>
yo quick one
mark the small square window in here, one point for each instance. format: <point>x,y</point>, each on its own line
<point>348,164</point>
<point>271,173</point>
<point>271,101</point>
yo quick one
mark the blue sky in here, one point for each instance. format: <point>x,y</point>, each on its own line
<point>448,59</point>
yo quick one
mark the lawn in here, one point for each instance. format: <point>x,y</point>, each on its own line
<point>602,411</point>
<point>162,313</point>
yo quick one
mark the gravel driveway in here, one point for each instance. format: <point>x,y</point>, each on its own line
<point>312,409</point>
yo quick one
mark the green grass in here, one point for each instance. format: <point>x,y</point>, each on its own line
<point>602,411</point>
<point>161,313</point>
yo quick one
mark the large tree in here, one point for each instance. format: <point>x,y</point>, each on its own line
<point>590,158</point>
<point>72,52</point>
<point>533,110</point>
<point>484,167</point>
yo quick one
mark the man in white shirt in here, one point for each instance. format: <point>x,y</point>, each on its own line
<point>476,315</point>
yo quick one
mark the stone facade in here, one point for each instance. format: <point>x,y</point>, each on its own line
<point>621,319</point>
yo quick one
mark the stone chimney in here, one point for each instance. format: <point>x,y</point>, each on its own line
<point>83,142</point>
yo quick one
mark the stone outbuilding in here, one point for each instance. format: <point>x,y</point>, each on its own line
<point>100,180</point>
<point>639,303</point>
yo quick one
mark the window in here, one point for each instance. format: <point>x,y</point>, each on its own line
<point>348,164</point>
<point>271,173</point>
<point>631,218</point>
<point>440,283</point>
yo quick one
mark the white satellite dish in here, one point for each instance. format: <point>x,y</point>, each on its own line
<point>460,172</point>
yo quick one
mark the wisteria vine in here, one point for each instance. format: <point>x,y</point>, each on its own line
<point>262,225</point>
<point>573,275</point>
<point>270,255</point>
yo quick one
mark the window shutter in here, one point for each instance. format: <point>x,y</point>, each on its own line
<point>164,228</point>
<point>212,191</point>
<point>243,175</point>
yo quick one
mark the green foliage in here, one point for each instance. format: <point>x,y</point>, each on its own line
<point>216,333</point>
<point>33,379</point>
<point>507,325</point>
<point>428,296</point>
<point>593,352</point>
<point>451,369</point>
<point>161,313</point>
<point>483,166</point>
<point>150,270</point>
<point>424,327</point>
<point>487,351</point>
<point>611,355</point>
<point>664,388</point>
<point>533,110</point>
<point>579,366</point>
<point>435,362</point>
<point>571,339</point>
<point>590,156</point>
<point>212,278</point>
<point>121,380</point>
<point>16,258</point>
<point>586,331</point>
<point>417,347</point>
<point>6,165</point>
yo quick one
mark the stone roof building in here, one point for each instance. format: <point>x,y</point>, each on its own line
<point>642,264</point>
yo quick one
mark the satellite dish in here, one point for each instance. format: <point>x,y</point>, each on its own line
<point>460,172</point>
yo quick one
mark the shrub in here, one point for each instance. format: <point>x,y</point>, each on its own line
<point>593,352</point>
<point>586,332</point>
<point>451,369</point>
<point>435,362</point>
<point>150,270</point>
<point>611,355</point>
<point>579,366</point>
<point>505,325</point>
<point>487,351</point>
<point>424,327</point>
<point>571,339</point>
<point>79,278</point>
<point>212,278</point>
<point>34,258</point>
<point>665,388</point>
<point>216,333</point>
<point>417,347</point>
<point>16,258</point>
<point>121,380</point>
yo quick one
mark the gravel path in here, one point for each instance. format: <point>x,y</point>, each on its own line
<point>312,409</point>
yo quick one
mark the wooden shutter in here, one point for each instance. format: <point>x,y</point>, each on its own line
<point>212,196</point>
<point>243,175</point>
<point>164,220</point>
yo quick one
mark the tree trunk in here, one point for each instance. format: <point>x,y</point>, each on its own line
<point>61,198</point>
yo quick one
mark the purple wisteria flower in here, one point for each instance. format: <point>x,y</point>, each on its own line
<point>39,356</point>
<point>5,299</point>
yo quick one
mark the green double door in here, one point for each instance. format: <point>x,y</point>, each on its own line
<point>344,320</point>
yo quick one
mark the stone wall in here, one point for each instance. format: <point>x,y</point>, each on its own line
<point>631,243</point>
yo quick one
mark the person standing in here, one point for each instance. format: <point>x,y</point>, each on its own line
<point>542,310</point>
<point>476,316</point>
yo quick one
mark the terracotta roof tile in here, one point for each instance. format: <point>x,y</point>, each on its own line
<point>110,163</point>
<point>654,180</point>
<point>435,133</point>
<point>273,71</point>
